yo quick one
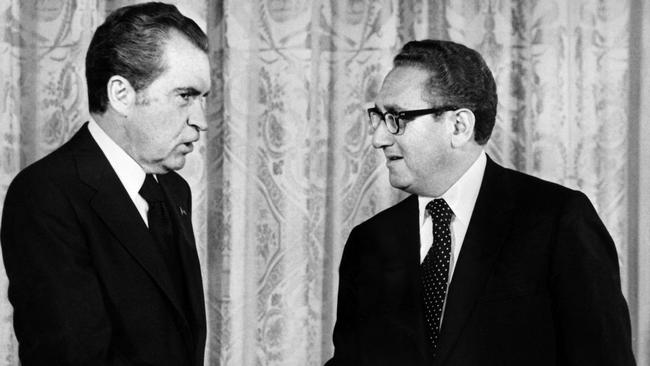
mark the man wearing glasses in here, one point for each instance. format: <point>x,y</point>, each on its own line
<point>481,265</point>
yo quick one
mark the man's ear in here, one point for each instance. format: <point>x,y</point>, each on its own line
<point>121,95</point>
<point>463,127</point>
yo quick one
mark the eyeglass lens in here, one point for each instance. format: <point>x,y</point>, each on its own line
<point>390,120</point>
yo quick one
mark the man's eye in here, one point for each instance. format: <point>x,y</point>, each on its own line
<point>186,98</point>
<point>395,114</point>
<point>402,117</point>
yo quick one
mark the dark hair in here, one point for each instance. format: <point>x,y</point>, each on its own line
<point>130,43</point>
<point>459,77</point>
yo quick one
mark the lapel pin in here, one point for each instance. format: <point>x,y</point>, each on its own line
<point>182,211</point>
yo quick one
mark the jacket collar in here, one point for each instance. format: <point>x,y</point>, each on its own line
<point>113,205</point>
<point>489,224</point>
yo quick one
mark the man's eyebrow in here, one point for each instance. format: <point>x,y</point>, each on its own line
<point>389,108</point>
<point>191,91</point>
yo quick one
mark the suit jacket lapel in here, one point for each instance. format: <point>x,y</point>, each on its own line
<point>403,236</point>
<point>487,229</point>
<point>181,215</point>
<point>114,206</point>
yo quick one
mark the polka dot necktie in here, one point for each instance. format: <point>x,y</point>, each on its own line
<point>434,270</point>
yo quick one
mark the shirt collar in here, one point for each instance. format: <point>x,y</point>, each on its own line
<point>462,195</point>
<point>128,170</point>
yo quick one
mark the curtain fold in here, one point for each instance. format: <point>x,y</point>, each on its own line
<point>639,253</point>
<point>9,158</point>
<point>286,168</point>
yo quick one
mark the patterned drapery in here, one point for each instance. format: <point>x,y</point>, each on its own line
<point>286,168</point>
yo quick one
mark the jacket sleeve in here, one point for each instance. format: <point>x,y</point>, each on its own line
<point>59,312</point>
<point>591,315</point>
<point>346,344</point>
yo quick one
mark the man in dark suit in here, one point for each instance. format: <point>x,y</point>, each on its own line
<point>97,236</point>
<point>481,265</point>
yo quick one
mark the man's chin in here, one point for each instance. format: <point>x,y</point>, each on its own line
<point>398,183</point>
<point>176,163</point>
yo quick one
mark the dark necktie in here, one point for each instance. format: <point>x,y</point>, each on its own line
<point>162,230</point>
<point>159,223</point>
<point>435,268</point>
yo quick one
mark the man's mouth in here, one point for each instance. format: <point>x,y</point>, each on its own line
<point>189,146</point>
<point>393,158</point>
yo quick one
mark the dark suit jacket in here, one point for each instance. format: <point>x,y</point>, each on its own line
<point>87,285</point>
<point>536,283</point>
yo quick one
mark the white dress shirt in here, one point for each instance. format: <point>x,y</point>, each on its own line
<point>128,170</point>
<point>461,198</point>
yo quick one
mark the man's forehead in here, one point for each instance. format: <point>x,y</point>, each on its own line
<point>178,45</point>
<point>403,84</point>
<point>179,53</point>
<point>407,73</point>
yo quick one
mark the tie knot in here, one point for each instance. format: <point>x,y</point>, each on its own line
<point>151,190</point>
<point>439,211</point>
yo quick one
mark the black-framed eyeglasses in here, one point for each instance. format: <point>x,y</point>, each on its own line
<point>395,121</point>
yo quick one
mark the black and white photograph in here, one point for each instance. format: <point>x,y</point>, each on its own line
<point>325,182</point>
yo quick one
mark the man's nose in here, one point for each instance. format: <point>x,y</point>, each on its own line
<point>197,118</point>
<point>381,137</point>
